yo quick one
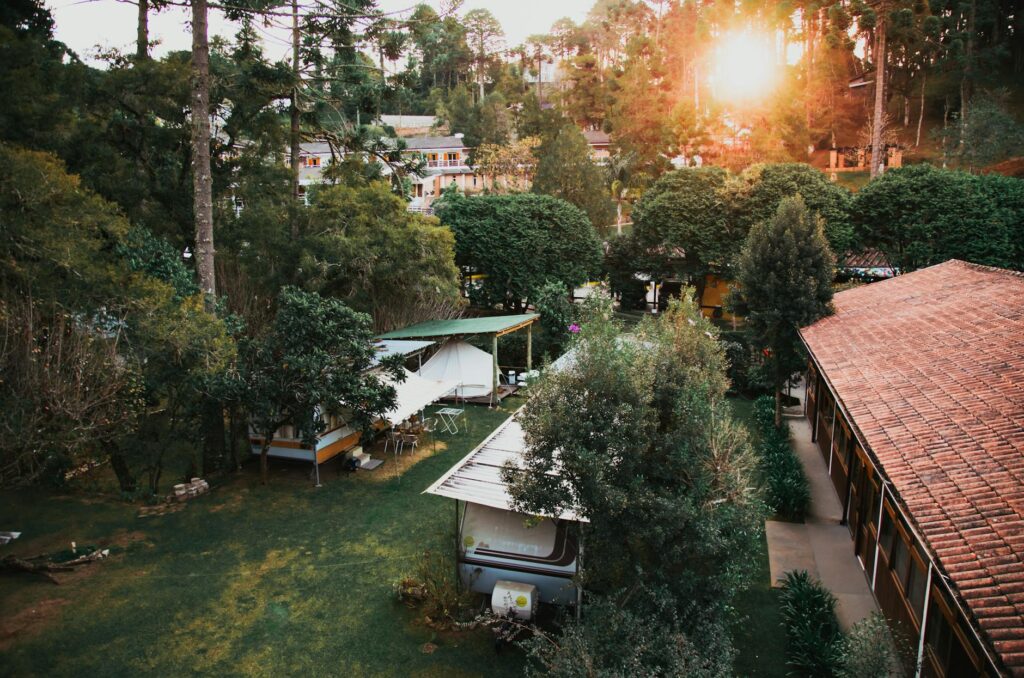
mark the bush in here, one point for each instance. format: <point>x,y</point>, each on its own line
<point>815,645</point>
<point>872,650</point>
<point>434,589</point>
<point>787,491</point>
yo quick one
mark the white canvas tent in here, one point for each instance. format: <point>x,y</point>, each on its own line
<point>471,369</point>
<point>415,393</point>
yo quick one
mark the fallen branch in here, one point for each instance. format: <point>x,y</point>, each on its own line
<point>44,567</point>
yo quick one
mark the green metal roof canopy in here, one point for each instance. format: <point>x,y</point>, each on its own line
<point>434,329</point>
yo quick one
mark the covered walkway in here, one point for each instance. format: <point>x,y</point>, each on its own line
<point>821,545</point>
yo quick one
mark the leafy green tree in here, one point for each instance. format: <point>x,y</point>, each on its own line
<point>684,225</point>
<point>565,171</point>
<point>989,134</point>
<point>312,362</point>
<point>785,274</point>
<point>365,248</point>
<point>520,242</point>
<point>637,437</point>
<point>921,215</point>
<point>762,187</point>
<point>71,261</point>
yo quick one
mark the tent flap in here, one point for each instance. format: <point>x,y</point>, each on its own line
<point>471,369</point>
<point>414,394</point>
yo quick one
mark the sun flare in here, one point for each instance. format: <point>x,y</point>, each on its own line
<point>745,67</point>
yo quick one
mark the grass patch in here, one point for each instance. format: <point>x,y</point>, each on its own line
<point>758,632</point>
<point>278,580</point>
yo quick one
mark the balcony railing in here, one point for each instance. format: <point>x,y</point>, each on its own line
<point>445,163</point>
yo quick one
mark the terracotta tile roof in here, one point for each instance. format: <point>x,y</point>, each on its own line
<point>930,366</point>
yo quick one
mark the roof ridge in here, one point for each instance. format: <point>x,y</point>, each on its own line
<point>981,267</point>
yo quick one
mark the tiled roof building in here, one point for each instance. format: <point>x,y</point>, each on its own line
<point>916,392</point>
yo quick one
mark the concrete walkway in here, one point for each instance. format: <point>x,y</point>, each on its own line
<point>821,545</point>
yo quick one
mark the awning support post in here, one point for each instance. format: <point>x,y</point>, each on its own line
<point>494,353</point>
<point>529,348</point>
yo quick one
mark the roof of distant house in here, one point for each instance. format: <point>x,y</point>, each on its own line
<point>424,122</point>
<point>430,143</point>
<point>596,137</point>
<point>930,367</point>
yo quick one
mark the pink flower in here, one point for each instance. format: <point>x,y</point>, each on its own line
<point>574,328</point>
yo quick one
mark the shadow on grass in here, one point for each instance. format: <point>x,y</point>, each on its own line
<point>281,579</point>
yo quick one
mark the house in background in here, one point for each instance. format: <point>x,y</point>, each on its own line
<point>916,397</point>
<point>600,145</point>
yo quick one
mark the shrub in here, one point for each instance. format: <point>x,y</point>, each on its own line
<point>815,645</point>
<point>787,491</point>
<point>871,650</point>
<point>434,589</point>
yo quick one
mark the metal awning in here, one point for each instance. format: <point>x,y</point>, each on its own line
<point>477,477</point>
<point>461,327</point>
<point>389,347</point>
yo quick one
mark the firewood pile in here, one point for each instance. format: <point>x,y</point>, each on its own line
<point>185,491</point>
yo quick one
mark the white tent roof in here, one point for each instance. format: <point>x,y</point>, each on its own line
<point>471,369</point>
<point>477,477</point>
<point>414,394</point>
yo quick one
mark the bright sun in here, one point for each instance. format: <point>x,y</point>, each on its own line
<point>745,67</point>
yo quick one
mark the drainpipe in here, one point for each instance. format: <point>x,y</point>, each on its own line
<point>924,622</point>
<point>878,537</point>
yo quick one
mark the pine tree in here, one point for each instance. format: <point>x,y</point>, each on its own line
<point>785,273</point>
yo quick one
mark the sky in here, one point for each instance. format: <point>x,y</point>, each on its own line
<point>84,24</point>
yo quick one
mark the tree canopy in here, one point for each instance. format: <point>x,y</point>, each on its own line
<point>922,215</point>
<point>566,171</point>
<point>520,242</point>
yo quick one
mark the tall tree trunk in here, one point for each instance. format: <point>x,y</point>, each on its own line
<point>967,79</point>
<point>125,479</point>
<point>202,180</point>
<point>294,132</point>
<point>142,31</point>
<point>878,119</point>
<point>920,112</point>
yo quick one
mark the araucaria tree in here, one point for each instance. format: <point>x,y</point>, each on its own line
<point>636,436</point>
<point>312,363</point>
<point>785,274</point>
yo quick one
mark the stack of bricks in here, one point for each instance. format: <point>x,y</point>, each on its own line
<point>186,491</point>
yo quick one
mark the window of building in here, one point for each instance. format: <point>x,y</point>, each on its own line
<point>949,651</point>
<point>451,157</point>
<point>888,532</point>
<point>917,580</point>
<point>312,161</point>
<point>901,559</point>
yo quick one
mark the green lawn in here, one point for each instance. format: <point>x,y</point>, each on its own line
<point>759,635</point>
<point>285,579</point>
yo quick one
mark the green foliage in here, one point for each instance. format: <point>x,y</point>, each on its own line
<point>921,215</point>
<point>872,650</point>
<point>761,188</point>
<point>520,242</point>
<point>146,253</point>
<point>785,277</point>
<point>646,449</point>
<point>566,171</point>
<point>434,588</point>
<point>989,133</point>
<point>787,490</point>
<point>815,643</point>
<point>312,362</point>
<point>364,247</point>
<point>682,224</point>
<point>557,313</point>
<point>614,641</point>
<point>71,262</point>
